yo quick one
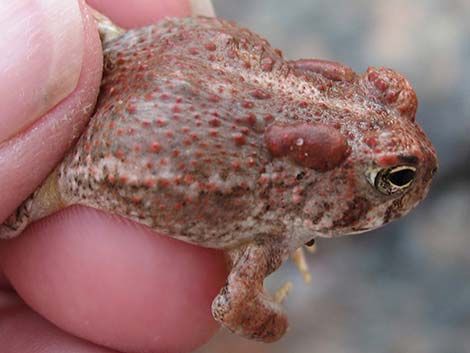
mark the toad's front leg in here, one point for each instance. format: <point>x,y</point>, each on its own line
<point>243,305</point>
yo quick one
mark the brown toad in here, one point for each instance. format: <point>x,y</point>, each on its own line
<point>204,132</point>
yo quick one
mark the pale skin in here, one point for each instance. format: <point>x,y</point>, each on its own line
<point>24,327</point>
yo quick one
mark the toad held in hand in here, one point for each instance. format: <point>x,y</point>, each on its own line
<point>204,132</point>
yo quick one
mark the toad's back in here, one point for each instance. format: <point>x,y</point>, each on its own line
<point>177,133</point>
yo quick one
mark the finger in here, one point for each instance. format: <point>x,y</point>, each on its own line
<point>22,330</point>
<point>37,77</point>
<point>33,84</point>
<point>140,12</point>
<point>116,283</point>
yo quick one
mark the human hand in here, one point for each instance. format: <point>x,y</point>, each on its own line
<point>105,283</point>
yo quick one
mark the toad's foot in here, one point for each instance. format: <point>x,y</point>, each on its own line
<point>243,305</point>
<point>17,221</point>
<point>298,256</point>
<point>43,202</point>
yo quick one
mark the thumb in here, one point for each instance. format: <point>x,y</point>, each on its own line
<point>42,52</point>
<point>50,72</point>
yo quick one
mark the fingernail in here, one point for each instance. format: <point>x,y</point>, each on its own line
<point>41,52</point>
<point>202,8</point>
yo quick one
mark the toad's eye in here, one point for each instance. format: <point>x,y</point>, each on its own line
<point>389,181</point>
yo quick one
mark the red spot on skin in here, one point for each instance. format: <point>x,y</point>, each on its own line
<point>251,119</point>
<point>149,183</point>
<point>260,94</point>
<point>131,108</point>
<point>149,97</point>
<point>263,180</point>
<point>267,64</point>
<point>268,118</point>
<point>163,182</point>
<point>317,146</point>
<point>213,98</point>
<point>161,122</point>
<point>244,130</point>
<point>119,154</point>
<point>387,160</point>
<point>215,122</point>
<point>371,141</point>
<point>155,147</point>
<point>188,179</point>
<point>239,139</point>
<point>247,104</point>
<point>210,46</point>
<point>236,165</point>
<point>124,179</point>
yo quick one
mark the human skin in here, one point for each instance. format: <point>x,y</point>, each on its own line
<point>105,283</point>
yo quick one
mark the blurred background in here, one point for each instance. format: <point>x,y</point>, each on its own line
<point>406,287</point>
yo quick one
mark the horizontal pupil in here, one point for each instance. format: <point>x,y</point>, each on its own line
<point>402,177</point>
